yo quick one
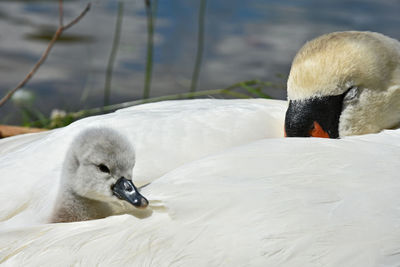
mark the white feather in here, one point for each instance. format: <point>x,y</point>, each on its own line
<point>165,135</point>
<point>271,202</point>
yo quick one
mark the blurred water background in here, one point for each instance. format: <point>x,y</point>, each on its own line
<point>243,40</point>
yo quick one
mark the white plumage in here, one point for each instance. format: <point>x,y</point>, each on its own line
<point>165,136</point>
<point>224,189</point>
<point>273,202</point>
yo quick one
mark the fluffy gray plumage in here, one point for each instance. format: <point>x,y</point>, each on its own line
<point>97,158</point>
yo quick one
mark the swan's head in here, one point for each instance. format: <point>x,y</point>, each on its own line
<point>344,83</point>
<point>99,167</point>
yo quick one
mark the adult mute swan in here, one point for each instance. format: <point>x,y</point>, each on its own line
<point>222,197</point>
<point>344,83</point>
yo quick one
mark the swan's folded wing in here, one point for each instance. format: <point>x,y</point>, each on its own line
<point>278,202</point>
<point>165,135</point>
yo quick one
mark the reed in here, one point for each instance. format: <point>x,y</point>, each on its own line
<point>200,46</point>
<point>113,54</point>
<point>151,10</point>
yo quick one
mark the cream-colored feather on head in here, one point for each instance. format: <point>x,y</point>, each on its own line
<point>368,62</point>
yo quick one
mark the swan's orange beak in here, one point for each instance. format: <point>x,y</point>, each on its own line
<point>317,131</point>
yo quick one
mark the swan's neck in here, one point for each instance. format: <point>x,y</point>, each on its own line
<point>72,207</point>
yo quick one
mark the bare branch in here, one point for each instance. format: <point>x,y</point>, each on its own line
<point>56,35</point>
<point>78,18</point>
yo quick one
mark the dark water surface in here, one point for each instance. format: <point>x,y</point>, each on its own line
<point>252,39</point>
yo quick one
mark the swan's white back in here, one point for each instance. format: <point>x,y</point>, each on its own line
<point>165,135</point>
<point>273,202</point>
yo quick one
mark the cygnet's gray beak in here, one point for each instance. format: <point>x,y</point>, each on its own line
<point>124,189</point>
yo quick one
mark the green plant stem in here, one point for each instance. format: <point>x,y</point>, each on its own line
<point>148,100</point>
<point>226,91</point>
<point>151,8</point>
<point>72,116</point>
<point>200,46</point>
<point>113,54</point>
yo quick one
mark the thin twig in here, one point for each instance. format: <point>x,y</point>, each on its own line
<point>56,35</point>
<point>78,18</point>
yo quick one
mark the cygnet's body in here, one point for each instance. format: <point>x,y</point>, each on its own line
<point>97,159</point>
<point>344,83</point>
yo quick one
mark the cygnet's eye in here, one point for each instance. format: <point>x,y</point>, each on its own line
<point>103,168</point>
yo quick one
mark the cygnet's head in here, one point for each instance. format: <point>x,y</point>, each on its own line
<point>99,167</point>
<point>344,83</point>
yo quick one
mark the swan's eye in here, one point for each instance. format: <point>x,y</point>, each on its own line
<point>351,93</point>
<point>103,168</point>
